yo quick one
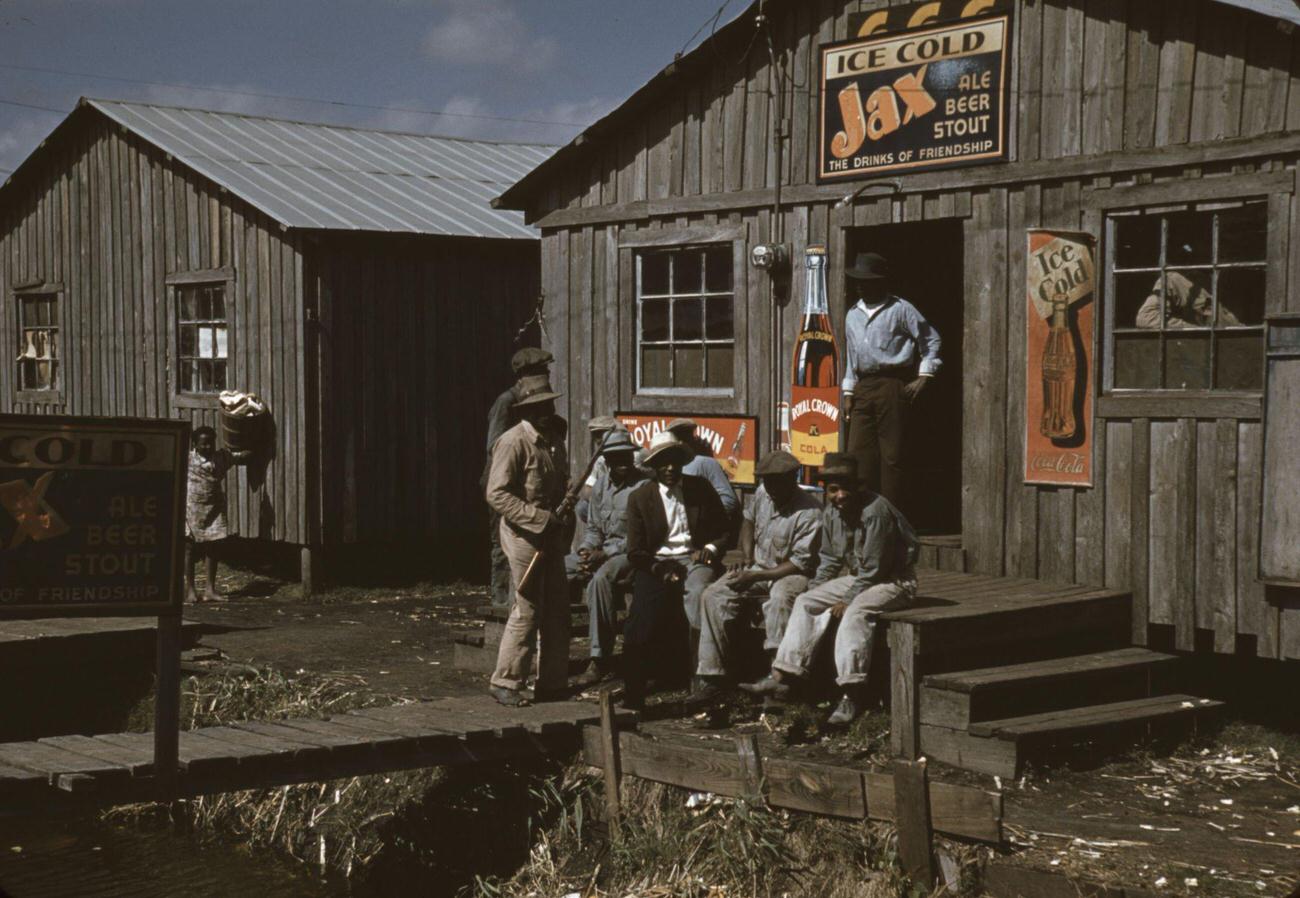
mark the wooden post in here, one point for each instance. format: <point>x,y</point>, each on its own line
<point>912,817</point>
<point>167,701</point>
<point>308,586</point>
<point>751,762</point>
<point>905,727</point>
<point>609,746</point>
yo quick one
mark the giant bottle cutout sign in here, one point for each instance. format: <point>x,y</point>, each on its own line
<point>814,382</point>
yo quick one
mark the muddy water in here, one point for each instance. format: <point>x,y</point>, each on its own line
<point>87,859</point>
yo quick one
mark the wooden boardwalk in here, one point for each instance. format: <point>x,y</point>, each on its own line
<point>117,768</point>
<point>25,634</point>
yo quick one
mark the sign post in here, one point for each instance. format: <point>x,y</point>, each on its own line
<point>92,515</point>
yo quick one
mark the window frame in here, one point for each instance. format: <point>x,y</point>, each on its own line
<point>672,298</point>
<point>213,277</point>
<point>1163,268</point>
<point>18,295</point>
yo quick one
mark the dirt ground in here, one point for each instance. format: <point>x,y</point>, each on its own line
<point>1220,816</point>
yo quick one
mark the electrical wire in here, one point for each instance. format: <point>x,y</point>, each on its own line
<point>271,96</point>
<point>33,106</point>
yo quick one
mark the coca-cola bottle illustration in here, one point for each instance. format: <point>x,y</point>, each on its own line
<point>816,357</point>
<point>1059,372</point>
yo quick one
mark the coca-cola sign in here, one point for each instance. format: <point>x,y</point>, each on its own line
<point>1059,317</point>
<point>925,98</point>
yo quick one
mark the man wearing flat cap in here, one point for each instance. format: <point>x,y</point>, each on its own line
<point>525,485</point>
<point>527,362</point>
<point>891,352</point>
<point>778,544</point>
<point>599,428</point>
<point>677,533</point>
<point>601,557</point>
<point>868,551</point>
<point>703,464</point>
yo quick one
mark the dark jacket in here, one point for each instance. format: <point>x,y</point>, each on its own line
<point>647,525</point>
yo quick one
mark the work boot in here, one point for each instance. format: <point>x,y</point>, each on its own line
<point>602,670</point>
<point>769,687</point>
<point>511,698</point>
<point>849,709</point>
<point>707,689</point>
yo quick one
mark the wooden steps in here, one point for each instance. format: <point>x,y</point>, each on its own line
<point>941,553</point>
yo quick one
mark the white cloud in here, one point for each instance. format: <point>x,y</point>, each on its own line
<point>472,117</point>
<point>483,32</point>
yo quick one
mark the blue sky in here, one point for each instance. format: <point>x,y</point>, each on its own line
<point>566,61</point>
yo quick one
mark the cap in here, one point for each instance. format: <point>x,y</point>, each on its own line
<point>618,441</point>
<point>602,422</point>
<point>838,466</point>
<point>777,462</point>
<point>677,424</point>
<point>533,389</point>
<point>666,447</point>
<point>529,357</point>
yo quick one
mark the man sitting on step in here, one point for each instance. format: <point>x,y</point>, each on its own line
<point>778,543</point>
<point>867,555</point>
<point>601,557</point>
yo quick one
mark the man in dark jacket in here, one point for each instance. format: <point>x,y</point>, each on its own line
<point>677,533</point>
<point>527,362</point>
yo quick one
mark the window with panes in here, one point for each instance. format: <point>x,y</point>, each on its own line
<point>685,319</point>
<point>202,338</point>
<point>39,337</point>
<point>1187,295</point>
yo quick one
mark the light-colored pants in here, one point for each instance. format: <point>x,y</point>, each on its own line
<point>853,643</point>
<point>544,607</point>
<point>698,578</point>
<point>721,606</point>
<point>605,599</point>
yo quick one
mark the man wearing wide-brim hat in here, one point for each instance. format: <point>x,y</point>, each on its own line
<point>601,559</point>
<point>778,544</point>
<point>868,550</point>
<point>525,485</point>
<point>527,362</point>
<point>677,533</point>
<point>891,352</point>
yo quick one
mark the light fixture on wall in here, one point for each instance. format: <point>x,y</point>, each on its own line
<point>770,257</point>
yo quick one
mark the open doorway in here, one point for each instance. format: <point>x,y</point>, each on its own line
<point>925,263</point>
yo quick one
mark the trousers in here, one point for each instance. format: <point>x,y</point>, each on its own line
<point>721,606</point>
<point>809,623</point>
<point>500,571</point>
<point>876,427</point>
<point>544,608</point>
<point>604,600</point>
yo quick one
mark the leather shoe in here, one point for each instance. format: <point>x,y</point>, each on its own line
<point>705,689</point>
<point>511,698</point>
<point>768,686</point>
<point>600,671</point>
<point>848,711</point>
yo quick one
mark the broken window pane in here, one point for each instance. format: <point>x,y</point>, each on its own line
<point>1243,233</point>
<point>1137,300</point>
<point>1241,296</point>
<point>1191,239</point>
<point>1137,241</point>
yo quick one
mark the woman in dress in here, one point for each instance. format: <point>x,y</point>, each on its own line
<point>205,509</point>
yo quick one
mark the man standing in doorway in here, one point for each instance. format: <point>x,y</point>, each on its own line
<point>886,337</point>
<point>527,362</point>
<point>524,485</point>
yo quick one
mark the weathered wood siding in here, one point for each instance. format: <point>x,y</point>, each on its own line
<point>109,218</point>
<point>415,338</point>
<point>1184,96</point>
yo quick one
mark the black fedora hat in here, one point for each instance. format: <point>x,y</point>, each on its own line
<point>839,466</point>
<point>868,267</point>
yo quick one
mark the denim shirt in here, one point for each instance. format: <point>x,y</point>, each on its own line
<point>891,338</point>
<point>607,514</point>
<point>785,534</point>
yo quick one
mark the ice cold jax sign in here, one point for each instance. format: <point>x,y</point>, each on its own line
<point>90,516</point>
<point>913,101</point>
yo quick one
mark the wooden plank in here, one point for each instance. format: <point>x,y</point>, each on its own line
<point>1140,512</point>
<point>751,763</point>
<point>609,746</point>
<point>1217,528</point>
<point>1021,542</point>
<point>954,810</point>
<point>53,762</point>
<point>1264,98</point>
<point>136,760</point>
<point>1207,114</point>
<point>915,838</point>
<point>1142,74</point>
<point>815,788</point>
<point>1029,90</point>
<point>1177,69</point>
<point>322,738</point>
<point>1090,514</point>
<point>1173,527</point>
<point>1255,616</point>
<point>1118,472</point>
<point>904,698</point>
<point>1196,404</point>
<point>1094,717</point>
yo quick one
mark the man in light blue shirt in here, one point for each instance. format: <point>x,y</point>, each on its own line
<point>705,465</point>
<point>886,337</point>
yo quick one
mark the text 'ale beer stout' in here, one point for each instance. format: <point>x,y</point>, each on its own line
<point>1059,367</point>
<point>814,394</point>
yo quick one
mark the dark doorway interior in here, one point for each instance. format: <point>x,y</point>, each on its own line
<point>925,261</point>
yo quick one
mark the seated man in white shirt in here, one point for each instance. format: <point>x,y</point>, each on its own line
<point>677,533</point>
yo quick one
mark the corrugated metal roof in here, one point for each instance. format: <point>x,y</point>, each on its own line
<point>1278,9</point>
<point>333,178</point>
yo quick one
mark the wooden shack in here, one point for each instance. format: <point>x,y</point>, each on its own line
<point>1167,129</point>
<point>356,280</point>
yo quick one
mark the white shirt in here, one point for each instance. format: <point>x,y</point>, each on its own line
<point>677,544</point>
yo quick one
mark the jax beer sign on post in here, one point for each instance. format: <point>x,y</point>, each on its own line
<point>733,439</point>
<point>1058,356</point>
<point>926,98</point>
<point>91,515</point>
